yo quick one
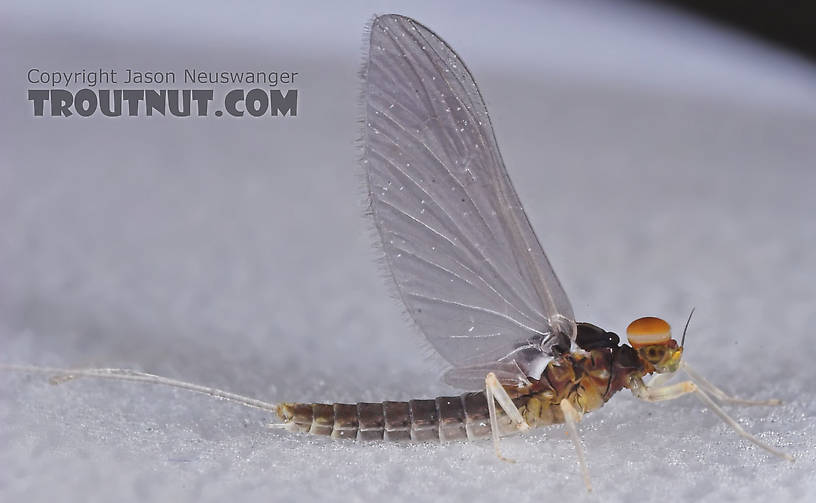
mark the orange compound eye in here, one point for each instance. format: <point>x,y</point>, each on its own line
<point>648,331</point>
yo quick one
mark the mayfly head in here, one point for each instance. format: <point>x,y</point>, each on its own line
<point>651,338</point>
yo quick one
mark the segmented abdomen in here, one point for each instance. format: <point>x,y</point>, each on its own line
<point>445,418</point>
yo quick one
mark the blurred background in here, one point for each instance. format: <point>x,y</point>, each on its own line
<point>664,153</point>
<point>786,25</point>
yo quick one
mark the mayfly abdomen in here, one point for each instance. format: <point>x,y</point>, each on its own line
<point>446,418</point>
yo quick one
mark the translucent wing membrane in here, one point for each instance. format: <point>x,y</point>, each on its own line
<point>465,260</point>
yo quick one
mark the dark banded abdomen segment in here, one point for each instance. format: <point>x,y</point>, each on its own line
<point>443,419</point>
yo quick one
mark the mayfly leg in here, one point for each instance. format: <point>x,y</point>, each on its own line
<point>495,392</point>
<point>659,394</point>
<point>661,379</point>
<point>652,393</point>
<point>571,417</point>
<point>719,394</point>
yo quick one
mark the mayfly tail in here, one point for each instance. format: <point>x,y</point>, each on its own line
<point>61,375</point>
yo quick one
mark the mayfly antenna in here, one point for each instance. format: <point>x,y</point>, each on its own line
<point>683,340</point>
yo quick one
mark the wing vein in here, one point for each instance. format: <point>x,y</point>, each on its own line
<point>477,308</point>
<point>461,278</point>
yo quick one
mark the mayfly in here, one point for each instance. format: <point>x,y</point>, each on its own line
<point>472,275</point>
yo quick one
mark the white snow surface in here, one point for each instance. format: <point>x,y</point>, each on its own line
<point>665,163</point>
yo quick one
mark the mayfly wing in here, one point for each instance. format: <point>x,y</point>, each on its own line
<point>461,251</point>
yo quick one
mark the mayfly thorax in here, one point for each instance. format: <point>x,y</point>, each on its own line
<point>472,275</point>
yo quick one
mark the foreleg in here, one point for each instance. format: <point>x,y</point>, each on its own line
<point>657,394</point>
<point>721,395</point>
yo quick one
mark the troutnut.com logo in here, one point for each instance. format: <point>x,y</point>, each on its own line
<point>132,93</point>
